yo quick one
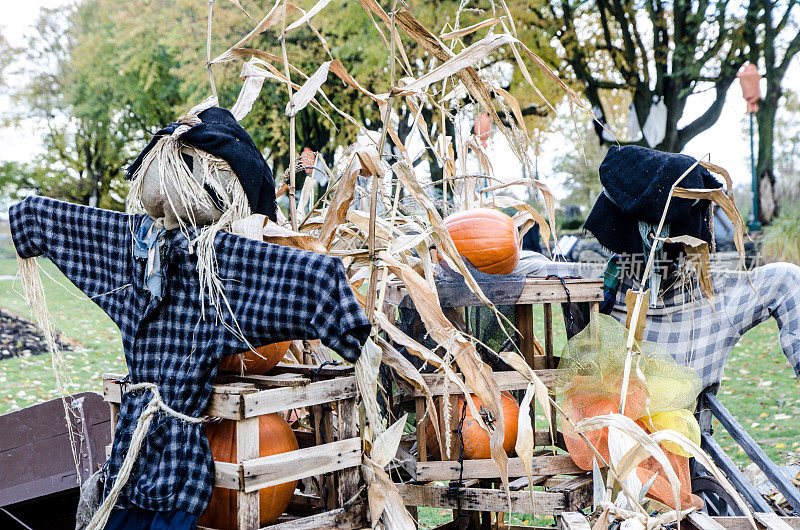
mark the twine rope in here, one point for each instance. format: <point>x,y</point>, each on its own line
<point>155,405</point>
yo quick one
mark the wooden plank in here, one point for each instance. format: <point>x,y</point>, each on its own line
<point>226,400</point>
<point>264,380</point>
<point>526,334</point>
<point>349,518</point>
<point>226,475</point>
<point>538,291</point>
<point>573,521</point>
<point>511,380</point>
<point>277,469</point>
<point>281,399</point>
<point>349,479</point>
<point>247,448</point>
<point>422,444</point>
<point>754,451</point>
<point>483,499</point>
<point>329,370</point>
<point>741,523</point>
<point>486,468</point>
<point>771,521</point>
<point>535,291</point>
<point>704,521</point>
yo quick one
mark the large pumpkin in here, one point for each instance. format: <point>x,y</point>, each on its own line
<point>275,437</point>
<point>257,362</point>
<point>487,238</point>
<point>476,441</point>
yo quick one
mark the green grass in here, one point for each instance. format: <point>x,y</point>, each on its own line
<point>759,387</point>
<point>95,341</point>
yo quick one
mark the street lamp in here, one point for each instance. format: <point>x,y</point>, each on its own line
<point>750,79</point>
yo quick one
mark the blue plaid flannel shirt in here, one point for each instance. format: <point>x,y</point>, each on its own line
<point>277,293</point>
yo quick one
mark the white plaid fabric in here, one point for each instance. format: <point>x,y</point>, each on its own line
<point>702,333</point>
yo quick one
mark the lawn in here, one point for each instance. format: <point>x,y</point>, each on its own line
<point>759,387</point>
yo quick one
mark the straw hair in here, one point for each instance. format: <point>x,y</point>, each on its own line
<point>33,291</point>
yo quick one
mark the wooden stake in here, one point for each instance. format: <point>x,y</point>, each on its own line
<point>208,51</point>
<point>292,147</point>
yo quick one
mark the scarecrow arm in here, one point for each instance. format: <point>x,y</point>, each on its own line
<point>768,291</point>
<point>89,245</point>
<point>282,293</point>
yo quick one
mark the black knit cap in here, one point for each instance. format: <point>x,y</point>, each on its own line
<point>636,182</point>
<point>221,135</point>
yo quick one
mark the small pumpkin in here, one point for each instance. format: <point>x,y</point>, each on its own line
<point>487,238</point>
<point>257,362</point>
<point>275,437</point>
<point>476,441</point>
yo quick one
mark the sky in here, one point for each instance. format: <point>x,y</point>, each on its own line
<point>725,142</point>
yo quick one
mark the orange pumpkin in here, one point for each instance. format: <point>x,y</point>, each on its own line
<point>257,362</point>
<point>476,441</point>
<point>275,437</point>
<point>487,238</point>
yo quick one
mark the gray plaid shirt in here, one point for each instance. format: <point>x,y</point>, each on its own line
<point>276,293</point>
<point>702,333</point>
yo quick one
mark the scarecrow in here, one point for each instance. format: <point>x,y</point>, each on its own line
<point>185,292</point>
<point>693,321</point>
<point>699,322</point>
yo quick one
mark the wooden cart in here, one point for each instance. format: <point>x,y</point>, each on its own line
<point>331,452</point>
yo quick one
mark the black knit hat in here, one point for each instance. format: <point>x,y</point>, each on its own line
<point>636,182</point>
<point>221,135</point>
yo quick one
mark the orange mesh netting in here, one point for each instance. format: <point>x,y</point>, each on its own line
<point>661,395</point>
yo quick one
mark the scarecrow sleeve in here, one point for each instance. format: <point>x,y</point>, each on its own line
<point>281,293</point>
<point>89,245</point>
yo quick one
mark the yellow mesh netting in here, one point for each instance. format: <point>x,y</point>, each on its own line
<point>593,362</point>
<point>661,395</point>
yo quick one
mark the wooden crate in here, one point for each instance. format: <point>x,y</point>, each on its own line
<point>331,452</point>
<point>566,485</point>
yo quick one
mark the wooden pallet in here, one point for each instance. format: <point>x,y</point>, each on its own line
<point>331,452</point>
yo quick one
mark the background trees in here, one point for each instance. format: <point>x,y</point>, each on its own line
<point>103,74</point>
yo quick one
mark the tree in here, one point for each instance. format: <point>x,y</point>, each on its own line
<point>774,43</point>
<point>787,152</point>
<point>112,71</point>
<point>665,52</point>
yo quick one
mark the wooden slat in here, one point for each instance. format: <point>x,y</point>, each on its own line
<point>422,444</point>
<point>771,521</point>
<point>270,380</point>
<point>342,519</point>
<point>535,291</point>
<point>226,400</point>
<point>485,500</point>
<point>349,479</point>
<point>277,469</point>
<point>226,475</point>
<point>573,521</point>
<point>704,521</point>
<point>314,370</point>
<point>449,470</point>
<point>741,523</point>
<point>247,449</point>
<point>526,335</point>
<point>280,399</point>
<point>512,380</point>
